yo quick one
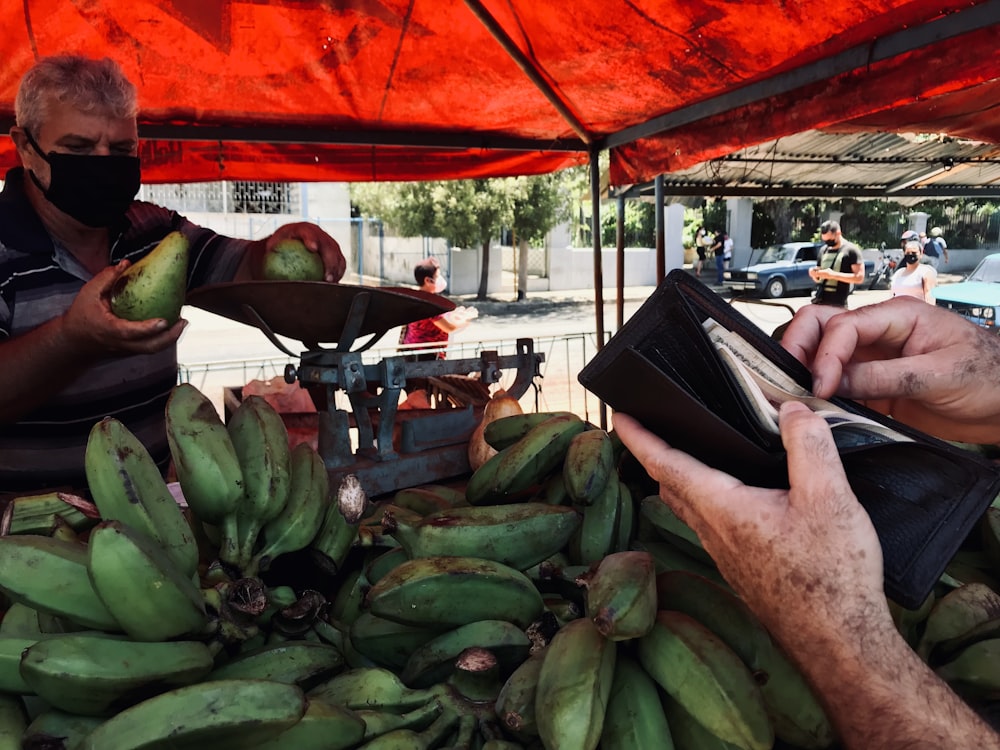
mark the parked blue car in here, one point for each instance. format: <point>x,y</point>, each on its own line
<point>785,268</point>
<point>978,297</point>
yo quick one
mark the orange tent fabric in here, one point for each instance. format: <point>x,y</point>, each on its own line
<point>436,89</point>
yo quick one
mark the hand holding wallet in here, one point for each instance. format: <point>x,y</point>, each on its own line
<point>703,377</point>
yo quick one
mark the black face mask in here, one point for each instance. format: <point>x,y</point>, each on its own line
<point>831,243</point>
<point>94,190</point>
<point>910,258</point>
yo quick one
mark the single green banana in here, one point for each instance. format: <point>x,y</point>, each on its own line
<point>222,715</point>
<point>634,717</point>
<point>37,514</point>
<point>332,543</point>
<point>302,663</point>
<point>373,688</point>
<point>515,705</point>
<point>956,613</point>
<point>52,727</point>
<point>423,501</point>
<point>483,486</point>
<point>697,669</point>
<point>625,524</point>
<point>261,442</point>
<point>127,486</point>
<point>574,686</point>
<point>976,666</point>
<point>21,621</point>
<point>50,575</point>
<point>299,521</point>
<point>504,432</point>
<point>688,733</point>
<point>205,460</point>
<point>378,723</point>
<point>348,601</point>
<point>408,739</point>
<point>910,622</point>
<point>384,562</point>
<point>596,535</point>
<point>535,456</point>
<point>100,676</point>
<point>387,643</point>
<point>324,726</point>
<point>672,528</point>
<point>553,491</point>
<point>519,535</point>
<point>434,661</point>
<point>142,587</point>
<point>453,591</point>
<point>621,595</point>
<point>13,722</point>
<point>495,744</point>
<point>667,556</point>
<point>796,713</point>
<point>11,649</point>
<point>589,466</point>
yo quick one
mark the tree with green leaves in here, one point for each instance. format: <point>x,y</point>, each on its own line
<point>538,204</point>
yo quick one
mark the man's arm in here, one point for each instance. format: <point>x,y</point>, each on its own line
<point>40,363</point>
<point>924,365</point>
<point>807,561</point>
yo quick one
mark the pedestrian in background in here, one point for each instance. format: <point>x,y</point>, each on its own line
<point>914,279</point>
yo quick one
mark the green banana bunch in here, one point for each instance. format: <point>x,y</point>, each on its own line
<point>796,714</point>
<point>331,544</point>
<point>302,663</point>
<point>956,613</point>
<point>589,466</point>
<point>434,661</point>
<point>453,591</point>
<point>519,535</point>
<point>387,643</point>
<point>50,575</point>
<point>127,486</point>
<point>698,670</point>
<point>515,705</point>
<point>574,685</point>
<point>504,432</point>
<point>322,727</point>
<point>205,460</point>
<point>91,676</point>
<point>688,733</point>
<point>53,726</point>
<point>634,717</point>
<point>536,455</point>
<point>977,666</point>
<point>621,595</point>
<point>222,715</point>
<point>141,586</point>
<point>261,442</point>
<point>373,688</point>
<point>13,722</point>
<point>299,521</point>
<point>37,514</point>
<point>597,533</point>
<point>672,528</point>
<point>378,723</point>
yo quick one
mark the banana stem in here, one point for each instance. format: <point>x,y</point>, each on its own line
<point>229,551</point>
<point>251,528</point>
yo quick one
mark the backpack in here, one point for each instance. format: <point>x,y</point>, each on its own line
<point>932,249</point>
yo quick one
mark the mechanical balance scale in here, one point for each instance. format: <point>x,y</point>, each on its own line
<point>432,444</point>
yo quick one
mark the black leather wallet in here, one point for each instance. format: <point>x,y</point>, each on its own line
<point>666,368</point>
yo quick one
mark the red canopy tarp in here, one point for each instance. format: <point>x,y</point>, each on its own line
<point>434,89</point>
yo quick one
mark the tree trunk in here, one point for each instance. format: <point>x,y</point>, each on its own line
<point>484,276</point>
<point>522,269</point>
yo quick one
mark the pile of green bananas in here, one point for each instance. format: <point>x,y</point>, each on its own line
<point>552,602</point>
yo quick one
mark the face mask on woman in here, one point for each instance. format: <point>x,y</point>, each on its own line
<point>910,258</point>
<point>440,285</point>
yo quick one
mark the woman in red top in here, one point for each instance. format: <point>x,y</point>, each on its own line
<point>431,331</point>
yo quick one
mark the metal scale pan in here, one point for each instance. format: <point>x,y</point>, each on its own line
<point>318,312</point>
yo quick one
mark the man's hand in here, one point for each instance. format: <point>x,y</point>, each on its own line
<point>316,240</point>
<point>91,330</point>
<point>925,366</point>
<point>797,557</point>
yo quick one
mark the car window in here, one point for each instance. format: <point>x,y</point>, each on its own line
<point>807,253</point>
<point>987,270</point>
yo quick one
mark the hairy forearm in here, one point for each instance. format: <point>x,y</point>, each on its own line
<point>877,691</point>
<point>36,366</point>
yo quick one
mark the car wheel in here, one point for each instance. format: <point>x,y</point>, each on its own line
<point>774,288</point>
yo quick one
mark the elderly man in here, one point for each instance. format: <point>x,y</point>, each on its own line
<point>68,228</point>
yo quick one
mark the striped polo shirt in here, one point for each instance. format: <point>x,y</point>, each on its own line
<point>39,280</point>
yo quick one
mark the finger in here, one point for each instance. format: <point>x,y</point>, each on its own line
<point>814,466</point>
<point>804,333</point>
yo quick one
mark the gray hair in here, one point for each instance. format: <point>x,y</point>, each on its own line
<point>89,85</point>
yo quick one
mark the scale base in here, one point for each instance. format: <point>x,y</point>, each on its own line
<point>430,466</point>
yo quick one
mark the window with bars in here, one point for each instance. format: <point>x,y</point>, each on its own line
<point>238,196</point>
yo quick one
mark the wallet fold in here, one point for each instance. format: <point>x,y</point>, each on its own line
<point>923,495</point>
